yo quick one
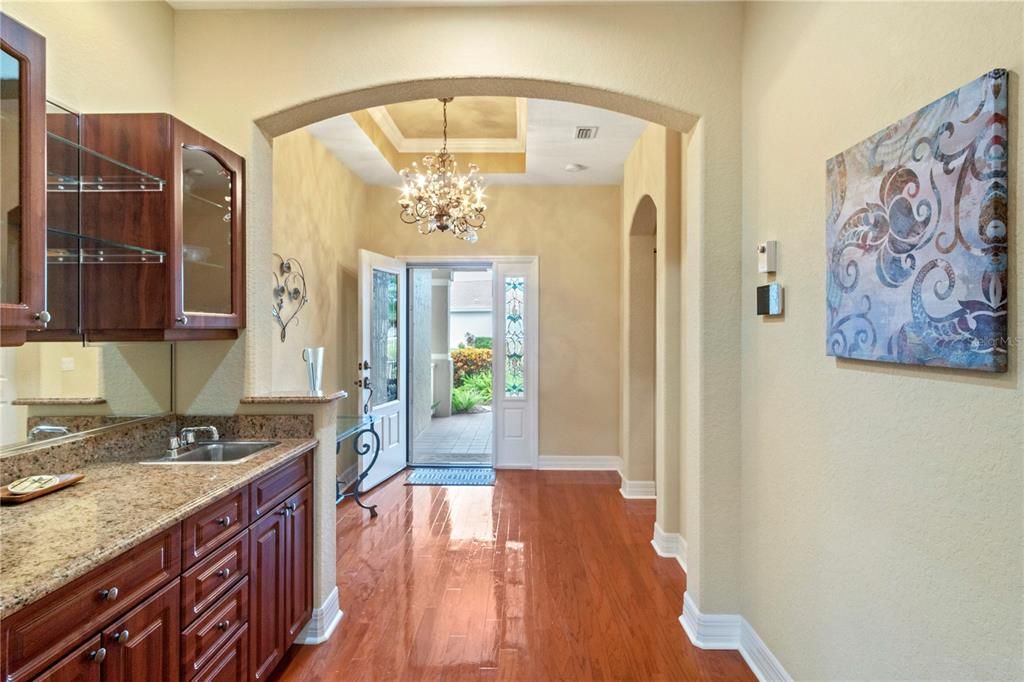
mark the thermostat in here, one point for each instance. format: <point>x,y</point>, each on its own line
<point>766,255</point>
<point>769,299</point>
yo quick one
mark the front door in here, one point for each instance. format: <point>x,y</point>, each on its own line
<point>382,352</point>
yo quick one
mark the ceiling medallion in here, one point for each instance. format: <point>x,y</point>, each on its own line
<point>437,198</point>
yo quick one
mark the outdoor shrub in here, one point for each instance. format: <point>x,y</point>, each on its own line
<point>482,383</point>
<point>464,399</point>
<point>482,342</point>
<point>467,361</point>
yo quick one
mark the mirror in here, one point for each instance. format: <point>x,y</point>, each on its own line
<point>60,384</point>
<point>52,389</point>
<point>10,184</point>
<point>206,232</point>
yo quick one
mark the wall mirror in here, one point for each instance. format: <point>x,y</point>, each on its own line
<point>61,384</point>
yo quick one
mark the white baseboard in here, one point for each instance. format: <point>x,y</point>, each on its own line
<point>348,476</point>
<point>323,622</point>
<point>580,462</point>
<point>638,490</point>
<point>715,631</point>
<point>669,545</point>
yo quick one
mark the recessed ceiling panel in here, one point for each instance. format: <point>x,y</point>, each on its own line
<point>468,117</point>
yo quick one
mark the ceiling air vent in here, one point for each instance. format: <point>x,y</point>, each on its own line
<point>585,132</point>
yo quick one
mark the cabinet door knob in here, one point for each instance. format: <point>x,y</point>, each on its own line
<point>98,655</point>
<point>44,317</point>
<point>291,506</point>
<point>109,595</point>
<point>224,520</point>
<point>121,637</point>
<point>284,511</point>
<point>224,625</point>
<point>183,319</point>
<point>224,573</point>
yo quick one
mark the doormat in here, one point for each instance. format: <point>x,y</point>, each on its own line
<point>451,476</point>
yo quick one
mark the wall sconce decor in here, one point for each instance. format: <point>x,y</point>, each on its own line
<point>289,292</point>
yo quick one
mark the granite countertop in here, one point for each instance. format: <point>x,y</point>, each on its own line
<point>294,397</point>
<point>48,542</point>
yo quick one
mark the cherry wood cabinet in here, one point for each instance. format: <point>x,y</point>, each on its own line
<point>23,184</point>
<point>197,221</point>
<point>143,645</point>
<point>231,615</point>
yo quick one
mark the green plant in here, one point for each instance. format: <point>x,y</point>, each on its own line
<point>466,361</point>
<point>482,383</point>
<point>464,399</point>
<point>482,342</point>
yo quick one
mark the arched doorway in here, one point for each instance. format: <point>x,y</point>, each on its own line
<point>260,333</point>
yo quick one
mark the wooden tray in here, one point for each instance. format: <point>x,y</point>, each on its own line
<point>63,481</point>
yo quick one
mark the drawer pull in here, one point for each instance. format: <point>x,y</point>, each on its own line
<point>291,506</point>
<point>109,595</point>
<point>121,637</point>
<point>224,520</point>
<point>98,655</point>
<point>224,625</point>
<point>224,573</point>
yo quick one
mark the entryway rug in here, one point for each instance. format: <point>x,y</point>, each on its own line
<point>451,476</point>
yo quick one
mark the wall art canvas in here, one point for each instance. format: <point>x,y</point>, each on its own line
<point>916,236</point>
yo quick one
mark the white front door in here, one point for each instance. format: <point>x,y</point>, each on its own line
<point>382,348</point>
<point>516,374</point>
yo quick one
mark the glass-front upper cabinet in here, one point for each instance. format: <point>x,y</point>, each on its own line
<point>209,234</point>
<point>22,181</point>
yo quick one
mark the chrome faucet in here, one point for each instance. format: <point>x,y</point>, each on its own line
<point>188,434</point>
<point>49,430</point>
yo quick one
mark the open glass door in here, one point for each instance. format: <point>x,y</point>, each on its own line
<point>515,364</point>
<point>383,353</point>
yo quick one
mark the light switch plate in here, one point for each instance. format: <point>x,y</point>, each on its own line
<point>767,255</point>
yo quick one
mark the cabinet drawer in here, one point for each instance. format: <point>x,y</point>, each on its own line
<point>274,487</point>
<point>231,664</point>
<point>207,529</point>
<point>205,638</point>
<point>37,635</point>
<point>81,665</point>
<point>213,577</point>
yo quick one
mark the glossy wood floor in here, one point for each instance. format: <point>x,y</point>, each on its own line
<point>546,576</point>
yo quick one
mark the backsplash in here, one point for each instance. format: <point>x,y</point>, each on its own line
<point>144,439</point>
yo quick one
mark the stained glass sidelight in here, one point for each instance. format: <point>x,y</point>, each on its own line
<point>515,338</point>
<point>384,338</point>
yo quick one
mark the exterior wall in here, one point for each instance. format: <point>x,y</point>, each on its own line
<point>579,305</point>
<point>882,504</point>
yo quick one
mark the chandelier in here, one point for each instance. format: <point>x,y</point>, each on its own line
<point>437,198</point>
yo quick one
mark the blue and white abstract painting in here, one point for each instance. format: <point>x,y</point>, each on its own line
<point>917,236</point>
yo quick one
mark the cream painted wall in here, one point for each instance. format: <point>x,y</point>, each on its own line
<point>653,169</point>
<point>882,505</point>
<point>319,207</point>
<point>574,231</point>
<point>105,56</point>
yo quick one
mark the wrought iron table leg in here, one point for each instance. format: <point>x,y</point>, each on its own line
<point>362,449</point>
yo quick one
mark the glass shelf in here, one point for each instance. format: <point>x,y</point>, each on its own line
<point>94,250</point>
<point>104,173</point>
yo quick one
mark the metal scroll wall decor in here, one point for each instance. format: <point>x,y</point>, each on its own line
<point>289,292</point>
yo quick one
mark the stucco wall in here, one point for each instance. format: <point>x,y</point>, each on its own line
<point>318,211</point>
<point>882,508</point>
<point>574,231</point>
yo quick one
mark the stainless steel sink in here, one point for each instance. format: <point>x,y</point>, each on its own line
<point>216,452</point>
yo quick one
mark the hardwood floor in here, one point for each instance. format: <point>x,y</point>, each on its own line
<point>546,576</point>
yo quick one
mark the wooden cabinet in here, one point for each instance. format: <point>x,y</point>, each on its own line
<point>298,563</point>
<point>23,183</point>
<point>143,645</point>
<point>231,615</point>
<point>281,596</point>
<point>197,221</point>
